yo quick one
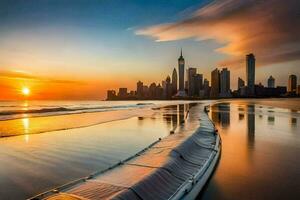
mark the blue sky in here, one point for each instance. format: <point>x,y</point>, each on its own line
<point>97,29</point>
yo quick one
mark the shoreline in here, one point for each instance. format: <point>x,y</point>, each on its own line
<point>17,127</point>
<point>95,118</point>
<point>136,160</point>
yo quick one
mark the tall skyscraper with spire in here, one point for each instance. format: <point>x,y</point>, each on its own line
<point>181,91</point>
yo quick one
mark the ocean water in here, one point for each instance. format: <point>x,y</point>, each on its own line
<point>30,117</point>
<point>260,150</point>
<point>260,143</point>
<point>34,163</point>
<point>19,109</point>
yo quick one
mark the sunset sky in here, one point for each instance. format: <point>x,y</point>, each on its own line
<point>62,49</point>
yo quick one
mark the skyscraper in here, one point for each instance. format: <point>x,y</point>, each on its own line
<point>271,82</point>
<point>139,89</point>
<point>292,83</point>
<point>152,90</point>
<point>174,82</point>
<point>206,88</point>
<point>167,88</point>
<point>122,92</point>
<point>191,81</point>
<point>215,83</point>
<point>198,81</point>
<point>181,63</point>
<point>225,83</point>
<point>250,73</point>
<point>241,83</point>
<point>111,94</point>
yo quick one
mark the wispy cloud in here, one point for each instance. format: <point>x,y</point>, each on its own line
<point>17,74</point>
<point>268,28</point>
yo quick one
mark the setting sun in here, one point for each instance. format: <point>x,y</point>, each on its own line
<point>25,91</point>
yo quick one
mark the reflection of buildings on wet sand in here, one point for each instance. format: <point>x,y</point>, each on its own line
<point>181,113</point>
<point>220,114</point>
<point>241,116</point>
<point>271,119</point>
<point>225,114</point>
<point>175,118</point>
<point>172,116</point>
<point>251,125</point>
<point>215,115</point>
<point>293,121</point>
<point>241,111</point>
<point>175,115</point>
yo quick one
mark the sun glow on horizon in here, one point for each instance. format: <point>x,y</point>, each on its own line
<point>25,91</point>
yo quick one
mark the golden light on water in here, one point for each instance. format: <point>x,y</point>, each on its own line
<point>25,91</point>
<point>25,122</point>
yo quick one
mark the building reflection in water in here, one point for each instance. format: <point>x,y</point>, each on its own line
<point>175,118</point>
<point>271,119</point>
<point>215,114</point>
<point>225,114</point>
<point>241,116</point>
<point>240,108</point>
<point>294,121</point>
<point>220,114</point>
<point>172,115</point>
<point>167,117</point>
<point>181,113</point>
<point>251,125</point>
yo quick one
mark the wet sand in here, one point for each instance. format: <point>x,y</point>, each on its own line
<point>33,125</point>
<point>258,161</point>
<point>34,163</point>
<point>260,148</point>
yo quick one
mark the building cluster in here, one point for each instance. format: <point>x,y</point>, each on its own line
<point>188,84</point>
<point>259,90</point>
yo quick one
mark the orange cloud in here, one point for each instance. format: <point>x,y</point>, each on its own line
<point>17,74</point>
<point>270,29</point>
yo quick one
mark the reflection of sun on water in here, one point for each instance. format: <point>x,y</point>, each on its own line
<point>25,105</point>
<point>26,125</point>
<point>26,138</point>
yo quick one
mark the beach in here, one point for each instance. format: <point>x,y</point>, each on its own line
<point>48,151</point>
<point>32,163</point>
<point>260,148</point>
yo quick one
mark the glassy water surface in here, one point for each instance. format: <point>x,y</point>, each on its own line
<point>260,147</point>
<point>34,163</point>
<point>260,152</point>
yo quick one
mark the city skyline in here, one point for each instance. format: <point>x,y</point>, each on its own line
<point>48,47</point>
<point>189,84</point>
